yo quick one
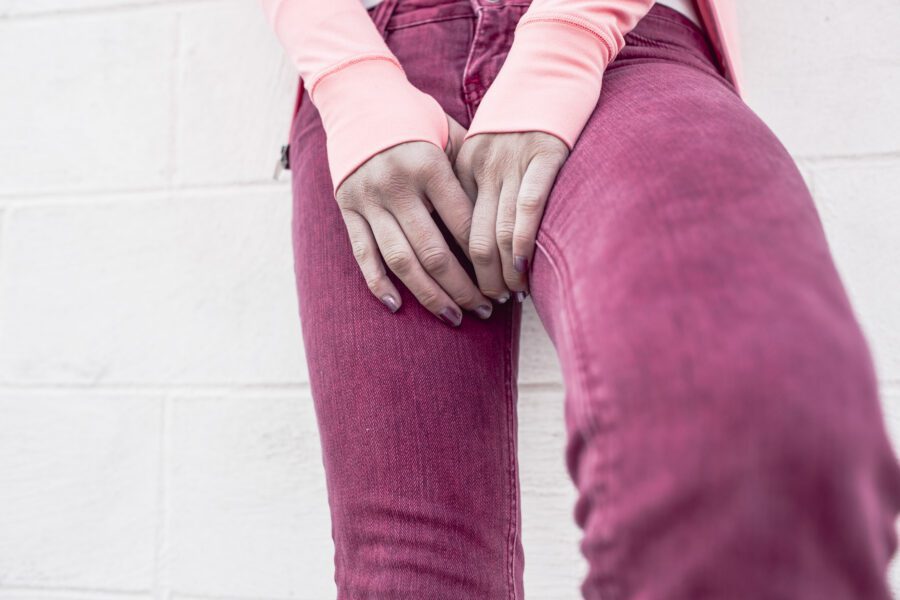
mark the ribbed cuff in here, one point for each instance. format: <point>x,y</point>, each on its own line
<point>368,105</point>
<point>549,82</point>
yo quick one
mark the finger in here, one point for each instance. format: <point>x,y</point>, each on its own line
<point>403,262</point>
<point>455,137</point>
<point>436,258</point>
<point>466,177</point>
<point>506,222</point>
<point>532,199</point>
<point>451,202</point>
<point>365,250</point>
<point>483,249</point>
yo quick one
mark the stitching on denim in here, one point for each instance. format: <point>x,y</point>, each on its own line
<point>645,41</point>
<point>511,450</point>
<point>692,28</point>
<point>427,21</point>
<point>702,63</point>
<point>606,442</point>
<point>705,69</point>
<point>479,22</point>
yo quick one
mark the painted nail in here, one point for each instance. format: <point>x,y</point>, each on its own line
<point>520,297</point>
<point>390,302</point>
<point>520,264</point>
<point>451,316</point>
<point>484,311</point>
<point>503,298</point>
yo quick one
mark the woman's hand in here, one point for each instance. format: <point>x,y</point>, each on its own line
<point>509,176</point>
<point>387,203</point>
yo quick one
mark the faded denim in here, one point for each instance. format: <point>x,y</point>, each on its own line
<point>723,425</point>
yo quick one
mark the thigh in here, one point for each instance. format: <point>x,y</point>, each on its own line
<point>417,419</point>
<point>718,384</point>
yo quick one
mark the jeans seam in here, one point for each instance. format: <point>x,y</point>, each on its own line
<point>704,68</point>
<point>692,28</point>
<point>430,20</point>
<point>550,250</point>
<point>479,20</point>
<point>605,440</point>
<point>511,451</point>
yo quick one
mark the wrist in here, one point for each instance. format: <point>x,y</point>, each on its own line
<point>367,105</point>
<point>550,80</point>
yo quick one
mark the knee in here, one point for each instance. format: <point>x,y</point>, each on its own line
<point>777,423</point>
<point>776,446</point>
<point>788,404</point>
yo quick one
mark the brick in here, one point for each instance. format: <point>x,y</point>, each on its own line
<point>249,515</point>
<point>92,101</point>
<point>79,489</point>
<point>554,566</point>
<point>822,76</point>
<point>18,8</point>
<point>537,356</point>
<point>234,105</point>
<point>156,290</point>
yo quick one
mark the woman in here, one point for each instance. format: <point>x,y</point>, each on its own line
<point>724,431</point>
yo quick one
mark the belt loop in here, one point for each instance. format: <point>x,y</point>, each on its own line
<point>381,15</point>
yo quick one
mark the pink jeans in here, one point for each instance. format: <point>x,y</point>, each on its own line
<point>723,426</point>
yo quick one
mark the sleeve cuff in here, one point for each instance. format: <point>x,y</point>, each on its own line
<point>550,80</point>
<point>368,105</point>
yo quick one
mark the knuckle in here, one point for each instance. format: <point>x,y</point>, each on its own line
<point>481,251</point>
<point>530,203</point>
<point>504,235</point>
<point>466,298</point>
<point>400,201</point>
<point>492,292</point>
<point>437,261</point>
<point>373,281</point>
<point>428,169</point>
<point>522,240</point>
<point>428,298</point>
<point>368,190</point>
<point>361,250</point>
<point>399,261</point>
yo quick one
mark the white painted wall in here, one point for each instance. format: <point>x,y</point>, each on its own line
<point>156,433</point>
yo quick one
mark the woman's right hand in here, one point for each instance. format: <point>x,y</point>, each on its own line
<point>386,204</point>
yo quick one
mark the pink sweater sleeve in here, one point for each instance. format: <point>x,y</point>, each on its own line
<point>551,78</point>
<point>363,96</point>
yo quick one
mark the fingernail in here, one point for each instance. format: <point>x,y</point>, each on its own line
<point>390,302</point>
<point>520,297</point>
<point>520,264</point>
<point>451,316</point>
<point>502,299</point>
<point>484,311</point>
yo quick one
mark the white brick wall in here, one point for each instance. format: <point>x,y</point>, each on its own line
<point>156,438</point>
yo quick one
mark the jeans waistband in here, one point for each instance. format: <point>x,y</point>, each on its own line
<point>662,26</point>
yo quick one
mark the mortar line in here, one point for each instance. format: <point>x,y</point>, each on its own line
<point>158,388</point>
<point>63,197</point>
<point>837,159</point>
<point>16,590</point>
<point>161,574</point>
<point>111,8</point>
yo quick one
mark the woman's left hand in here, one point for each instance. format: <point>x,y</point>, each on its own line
<point>509,177</point>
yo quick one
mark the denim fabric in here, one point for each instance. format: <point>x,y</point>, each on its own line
<point>724,431</point>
